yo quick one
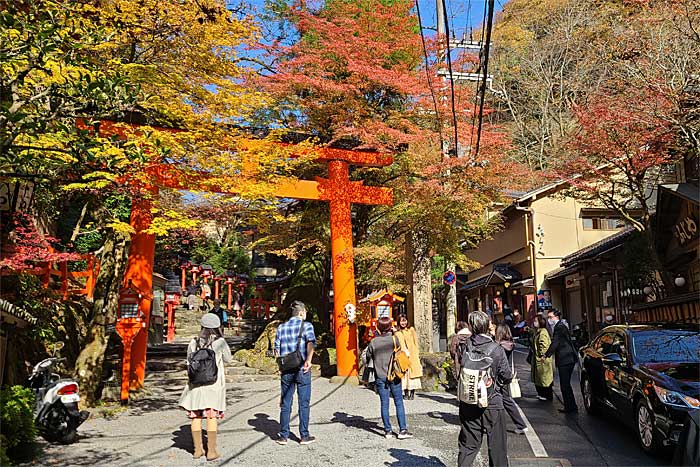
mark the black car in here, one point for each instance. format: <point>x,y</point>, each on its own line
<point>648,375</point>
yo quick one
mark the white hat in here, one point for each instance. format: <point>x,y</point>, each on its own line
<point>211,321</point>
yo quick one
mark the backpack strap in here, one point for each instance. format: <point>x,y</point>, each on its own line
<point>301,330</point>
<point>396,345</point>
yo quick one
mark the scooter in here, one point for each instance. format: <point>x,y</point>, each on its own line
<point>56,413</point>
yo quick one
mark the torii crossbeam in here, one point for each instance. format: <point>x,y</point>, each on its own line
<point>337,189</point>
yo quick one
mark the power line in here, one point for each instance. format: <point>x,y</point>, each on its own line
<point>477,86</point>
<point>484,67</point>
<point>449,69</point>
<point>427,73</point>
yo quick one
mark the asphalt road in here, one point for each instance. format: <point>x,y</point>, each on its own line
<point>583,439</point>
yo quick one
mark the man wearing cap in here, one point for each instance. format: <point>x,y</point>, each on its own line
<point>286,341</point>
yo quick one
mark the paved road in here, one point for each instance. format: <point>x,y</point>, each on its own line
<point>583,439</point>
<point>345,419</point>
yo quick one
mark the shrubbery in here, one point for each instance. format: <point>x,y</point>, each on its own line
<point>17,420</point>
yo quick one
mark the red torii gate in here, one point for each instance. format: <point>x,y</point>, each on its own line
<point>337,189</point>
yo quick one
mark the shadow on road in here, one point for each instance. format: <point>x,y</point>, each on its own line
<point>182,439</point>
<point>404,458</point>
<point>355,421</point>
<point>437,398</point>
<point>447,417</point>
<point>264,424</point>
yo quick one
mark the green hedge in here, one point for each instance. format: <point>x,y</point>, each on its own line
<point>17,414</point>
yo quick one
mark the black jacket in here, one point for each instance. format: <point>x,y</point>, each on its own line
<point>500,368</point>
<point>561,347</point>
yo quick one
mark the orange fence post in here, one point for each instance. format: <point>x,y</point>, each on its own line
<point>64,279</point>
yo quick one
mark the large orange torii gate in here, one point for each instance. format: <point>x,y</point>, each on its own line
<point>337,189</point>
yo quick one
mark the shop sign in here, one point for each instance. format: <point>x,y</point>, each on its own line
<point>573,280</point>
<point>685,230</point>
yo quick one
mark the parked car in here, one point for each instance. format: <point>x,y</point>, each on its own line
<point>646,375</point>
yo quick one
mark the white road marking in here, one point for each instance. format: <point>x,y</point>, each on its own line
<point>532,438</point>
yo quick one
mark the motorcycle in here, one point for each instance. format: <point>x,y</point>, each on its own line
<point>56,413</point>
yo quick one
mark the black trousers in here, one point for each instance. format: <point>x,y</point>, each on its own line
<point>477,422</point>
<point>545,392</point>
<point>512,409</point>
<point>567,392</point>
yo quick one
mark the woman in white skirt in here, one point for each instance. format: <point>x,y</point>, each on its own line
<point>207,402</point>
<point>409,341</point>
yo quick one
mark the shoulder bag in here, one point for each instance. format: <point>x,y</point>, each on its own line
<point>399,363</point>
<point>515,382</point>
<point>293,360</point>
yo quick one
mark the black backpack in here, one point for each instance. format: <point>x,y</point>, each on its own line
<point>201,366</point>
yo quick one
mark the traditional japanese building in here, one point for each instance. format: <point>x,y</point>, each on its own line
<point>540,228</point>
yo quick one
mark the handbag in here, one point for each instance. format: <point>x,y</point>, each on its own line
<point>514,386</point>
<point>399,363</point>
<point>293,360</point>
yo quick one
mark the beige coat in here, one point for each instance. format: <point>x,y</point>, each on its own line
<point>409,340</point>
<point>212,396</point>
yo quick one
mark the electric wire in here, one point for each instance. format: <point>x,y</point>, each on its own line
<point>449,69</point>
<point>484,67</point>
<point>477,85</point>
<point>427,74</point>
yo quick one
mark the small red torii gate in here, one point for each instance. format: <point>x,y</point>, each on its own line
<point>337,189</point>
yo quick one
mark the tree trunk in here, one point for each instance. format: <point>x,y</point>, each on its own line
<point>420,298</point>
<point>113,262</point>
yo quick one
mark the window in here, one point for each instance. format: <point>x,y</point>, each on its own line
<point>602,223</point>
<point>604,343</point>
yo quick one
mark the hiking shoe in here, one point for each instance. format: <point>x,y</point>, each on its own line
<point>404,434</point>
<point>309,440</point>
<point>388,434</point>
<point>521,431</point>
<point>282,441</point>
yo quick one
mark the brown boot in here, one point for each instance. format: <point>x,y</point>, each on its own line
<point>212,453</point>
<point>198,446</point>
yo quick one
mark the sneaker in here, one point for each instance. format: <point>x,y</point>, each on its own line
<point>521,431</point>
<point>282,441</point>
<point>309,440</point>
<point>404,434</point>
<point>388,434</point>
<point>540,398</point>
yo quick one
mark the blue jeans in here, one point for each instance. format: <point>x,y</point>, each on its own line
<point>302,382</point>
<point>393,389</point>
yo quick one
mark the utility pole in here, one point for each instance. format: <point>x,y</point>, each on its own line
<point>451,292</point>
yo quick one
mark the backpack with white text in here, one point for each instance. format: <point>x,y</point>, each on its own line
<point>475,377</point>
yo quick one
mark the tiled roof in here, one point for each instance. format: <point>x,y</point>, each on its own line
<point>597,248</point>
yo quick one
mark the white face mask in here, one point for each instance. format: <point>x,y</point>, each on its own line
<point>608,318</point>
<point>551,321</point>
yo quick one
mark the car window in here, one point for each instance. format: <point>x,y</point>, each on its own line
<point>666,345</point>
<point>604,343</point>
<point>618,346</point>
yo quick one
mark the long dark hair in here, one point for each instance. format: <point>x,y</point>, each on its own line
<point>503,333</point>
<point>209,335</point>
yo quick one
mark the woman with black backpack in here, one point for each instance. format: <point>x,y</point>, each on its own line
<point>204,396</point>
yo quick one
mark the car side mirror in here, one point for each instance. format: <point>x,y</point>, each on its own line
<point>612,359</point>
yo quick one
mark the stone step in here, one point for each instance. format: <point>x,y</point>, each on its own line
<point>241,370</point>
<point>252,378</point>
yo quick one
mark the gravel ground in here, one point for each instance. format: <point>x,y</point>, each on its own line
<point>345,420</point>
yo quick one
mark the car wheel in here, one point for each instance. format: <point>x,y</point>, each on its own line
<point>589,401</point>
<point>645,427</point>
